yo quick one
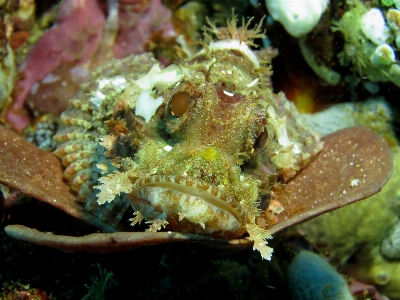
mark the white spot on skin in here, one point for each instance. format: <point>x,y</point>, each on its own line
<point>354,182</point>
<point>100,95</point>
<point>254,82</point>
<point>296,149</point>
<point>103,82</point>
<point>228,94</point>
<point>168,148</point>
<point>97,98</point>
<point>117,82</point>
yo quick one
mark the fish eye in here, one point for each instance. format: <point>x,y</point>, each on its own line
<point>180,103</point>
<point>260,142</point>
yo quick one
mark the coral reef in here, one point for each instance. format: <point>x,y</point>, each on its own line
<point>351,37</point>
<point>182,147</point>
<point>41,132</point>
<point>199,141</point>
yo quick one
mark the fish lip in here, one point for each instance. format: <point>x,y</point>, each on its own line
<point>192,188</point>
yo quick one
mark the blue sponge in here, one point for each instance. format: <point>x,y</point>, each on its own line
<point>310,277</point>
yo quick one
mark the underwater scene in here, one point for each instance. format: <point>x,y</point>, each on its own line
<point>172,149</point>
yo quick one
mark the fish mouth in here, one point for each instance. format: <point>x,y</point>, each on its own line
<point>190,205</point>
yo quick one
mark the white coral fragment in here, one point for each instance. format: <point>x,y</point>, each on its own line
<point>298,17</point>
<point>383,55</point>
<point>374,27</point>
<point>147,103</point>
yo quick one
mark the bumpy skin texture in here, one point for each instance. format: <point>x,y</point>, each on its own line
<point>203,169</point>
<point>83,126</point>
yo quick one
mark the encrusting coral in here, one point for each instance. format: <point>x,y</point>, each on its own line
<point>368,42</point>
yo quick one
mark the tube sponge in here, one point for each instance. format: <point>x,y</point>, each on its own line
<point>311,277</point>
<point>298,17</point>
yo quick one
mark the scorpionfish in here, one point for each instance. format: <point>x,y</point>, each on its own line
<point>196,147</point>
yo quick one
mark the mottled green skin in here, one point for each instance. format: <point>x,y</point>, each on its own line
<point>83,125</point>
<point>215,136</point>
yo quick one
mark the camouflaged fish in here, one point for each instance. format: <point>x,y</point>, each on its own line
<point>194,147</point>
